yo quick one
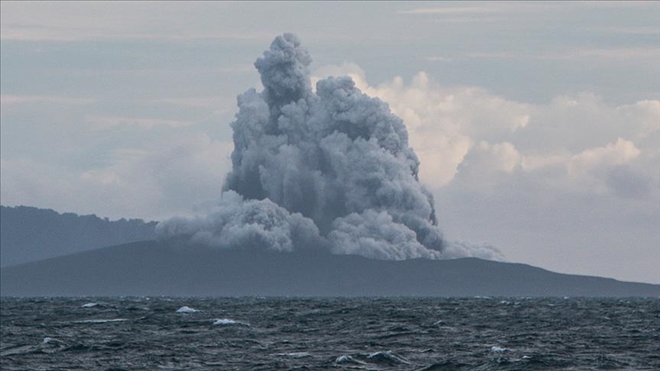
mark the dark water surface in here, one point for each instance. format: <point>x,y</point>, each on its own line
<point>313,334</point>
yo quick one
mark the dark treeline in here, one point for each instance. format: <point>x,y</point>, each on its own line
<point>29,234</point>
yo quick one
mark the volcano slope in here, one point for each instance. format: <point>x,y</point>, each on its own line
<point>154,268</point>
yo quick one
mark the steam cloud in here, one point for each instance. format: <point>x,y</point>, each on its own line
<point>326,169</point>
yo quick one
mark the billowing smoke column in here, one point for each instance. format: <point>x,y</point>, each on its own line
<point>329,169</point>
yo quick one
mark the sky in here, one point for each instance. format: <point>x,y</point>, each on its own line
<point>537,124</point>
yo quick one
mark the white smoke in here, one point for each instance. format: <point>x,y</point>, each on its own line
<point>330,168</point>
<point>246,223</point>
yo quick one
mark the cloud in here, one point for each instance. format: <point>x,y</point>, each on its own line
<point>454,10</point>
<point>644,115</point>
<point>204,101</point>
<point>443,123</point>
<point>627,182</point>
<point>11,100</point>
<point>619,153</point>
<point>484,10</point>
<point>491,140</point>
<point>437,58</point>
<point>156,181</point>
<point>585,54</point>
<point>93,21</point>
<point>105,123</point>
<point>579,179</point>
<point>484,161</point>
<point>649,30</point>
<point>251,224</point>
<point>376,235</point>
<point>612,168</point>
<point>333,159</point>
<point>579,122</point>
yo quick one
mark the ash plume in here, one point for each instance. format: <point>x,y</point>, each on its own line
<point>329,168</point>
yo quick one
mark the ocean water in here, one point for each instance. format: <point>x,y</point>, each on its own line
<point>163,333</point>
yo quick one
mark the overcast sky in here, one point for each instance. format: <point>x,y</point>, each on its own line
<point>537,124</point>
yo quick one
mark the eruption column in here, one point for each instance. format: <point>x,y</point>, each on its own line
<point>329,169</point>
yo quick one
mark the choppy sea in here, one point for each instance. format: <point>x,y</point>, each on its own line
<point>160,333</point>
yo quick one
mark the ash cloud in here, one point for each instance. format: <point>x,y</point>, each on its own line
<point>329,169</point>
<point>236,222</point>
